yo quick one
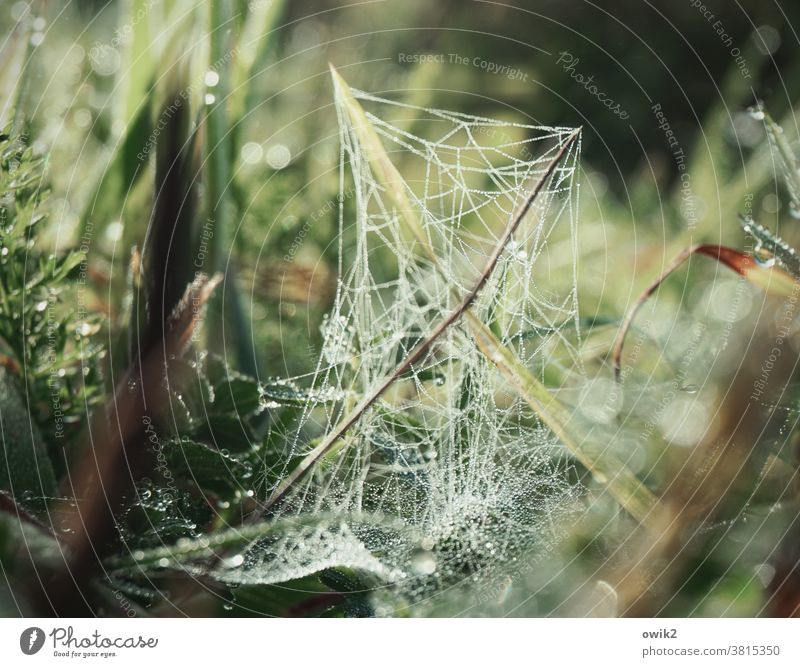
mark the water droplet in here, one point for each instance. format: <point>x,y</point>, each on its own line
<point>19,10</point>
<point>235,561</point>
<point>210,99</point>
<point>757,112</point>
<point>765,573</point>
<point>767,39</point>
<point>278,156</point>
<point>40,307</point>
<point>423,562</point>
<point>764,258</point>
<point>211,78</point>
<point>601,400</point>
<point>686,421</point>
<point>105,59</point>
<point>604,600</point>
<point>337,339</point>
<point>83,118</point>
<point>252,152</point>
<point>86,329</point>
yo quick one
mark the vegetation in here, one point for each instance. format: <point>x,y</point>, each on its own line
<point>273,344</point>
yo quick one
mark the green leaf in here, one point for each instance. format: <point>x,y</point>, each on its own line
<point>225,432</point>
<point>270,552</point>
<point>209,469</point>
<point>239,396</point>
<point>25,469</point>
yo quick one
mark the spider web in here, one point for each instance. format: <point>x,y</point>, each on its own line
<point>449,453</point>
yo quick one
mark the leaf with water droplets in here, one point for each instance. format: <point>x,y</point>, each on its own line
<point>784,154</point>
<point>225,432</point>
<point>770,246</point>
<point>238,395</point>
<point>25,468</point>
<point>209,469</point>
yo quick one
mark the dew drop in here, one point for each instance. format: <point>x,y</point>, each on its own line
<point>235,561</point>
<point>19,10</point>
<point>105,60</point>
<point>756,113</point>
<point>764,258</point>
<point>278,156</point>
<point>211,78</point>
<point>252,152</point>
<point>423,562</point>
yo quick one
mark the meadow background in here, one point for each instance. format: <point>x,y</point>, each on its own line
<point>215,121</point>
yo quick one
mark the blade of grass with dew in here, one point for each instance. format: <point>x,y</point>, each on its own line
<point>189,550</point>
<point>787,159</point>
<point>620,481</point>
<point>773,245</point>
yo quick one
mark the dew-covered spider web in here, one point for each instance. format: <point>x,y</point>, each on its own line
<point>449,478</point>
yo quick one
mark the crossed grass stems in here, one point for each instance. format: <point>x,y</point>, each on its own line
<point>623,485</point>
